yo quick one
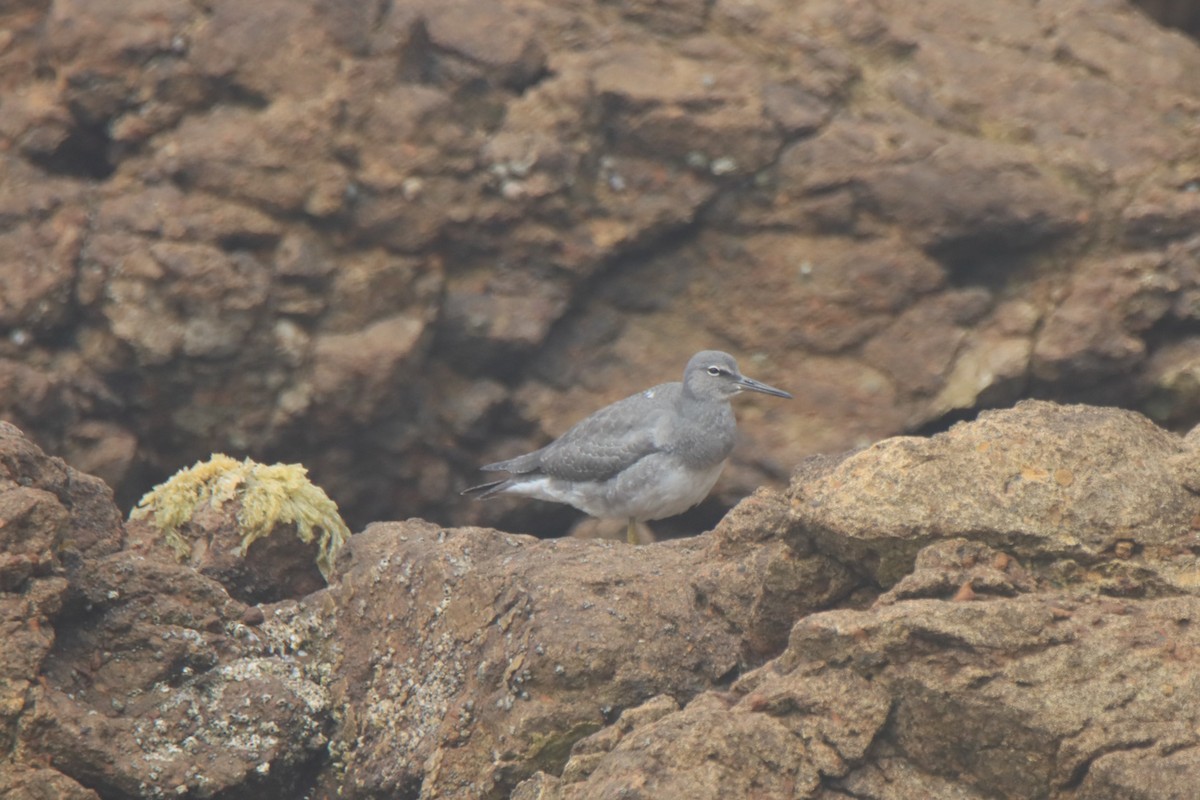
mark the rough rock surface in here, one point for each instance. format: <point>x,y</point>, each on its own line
<point>525,647</point>
<point>1017,655</point>
<point>123,673</point>
<point>1036,697</point>
<point>935,617</point>
<point>1047,484</point>
<point>275,567</point>
<point>393,240</point>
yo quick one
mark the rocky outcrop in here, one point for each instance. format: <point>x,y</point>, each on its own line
<point>490,655</point>
<point>123,673</point>
<point>1003,610</point>
<point>392,241</point>
<point>1031,696</point>
<point>1037,638</point>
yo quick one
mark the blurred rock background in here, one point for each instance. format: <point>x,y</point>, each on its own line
<point>395,240</point>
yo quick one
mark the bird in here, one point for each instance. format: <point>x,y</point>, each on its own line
<point>653,455</point>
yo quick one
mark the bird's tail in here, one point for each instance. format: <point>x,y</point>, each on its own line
<point>486,490</point>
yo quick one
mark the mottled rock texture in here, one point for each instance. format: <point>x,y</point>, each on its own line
<point>1005,610</point>
<point>1038,638</point>
<point>394,240</point>
<point>123,673</point>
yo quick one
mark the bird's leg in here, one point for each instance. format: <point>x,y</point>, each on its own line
<point>631,531</point>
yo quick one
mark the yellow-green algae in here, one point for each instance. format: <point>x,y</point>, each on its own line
<point>270,495</point>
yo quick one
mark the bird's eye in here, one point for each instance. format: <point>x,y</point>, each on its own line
<point>715,371</point>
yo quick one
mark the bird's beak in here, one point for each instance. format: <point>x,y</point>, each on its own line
<point>752,385</point>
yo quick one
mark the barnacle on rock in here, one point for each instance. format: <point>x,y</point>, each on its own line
<point>269,495</point>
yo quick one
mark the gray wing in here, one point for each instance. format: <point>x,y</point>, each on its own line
<point>607,442</point>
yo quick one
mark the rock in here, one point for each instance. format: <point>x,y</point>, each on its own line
<point>182,728</point>
<point>41,784</point>
<point>960,193</point>
<point>124,673</point>
<point>103,449</point>
<point>500,644</point>
<point>60,513</point>
<point>54,519</point>
<point>1034,640</point>
<point>989,370</point>
<point>918,349</point>
<point>1174,375</point>
<point>960,569</point>
<point>550,190</point>
<point>1136,291</point>
<point>353,373</point>
<point>673,18</point>
<point>393,238</point>
<point>181,299</point>
<point>496,40</point>
<point>35,292</point>
<point>976,675</point>
<point>1176,14</point>
<point>1057,481</point>
<point>689,108</point>
<point>495,320</point>
<point>244,155</point>
<point>265,532</point>
<point>806,729</point>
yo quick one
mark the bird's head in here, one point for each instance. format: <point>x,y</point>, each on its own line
<point>713,375</point>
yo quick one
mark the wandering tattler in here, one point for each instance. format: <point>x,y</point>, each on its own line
<point>652,455</point>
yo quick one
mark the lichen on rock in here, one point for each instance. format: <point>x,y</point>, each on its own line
<point>269,496</point>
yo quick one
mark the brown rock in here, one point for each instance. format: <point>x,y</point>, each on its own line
<point>103,449</point>
<point>748,661</point>
<point>500,644</point>
<point>51,520</point>
<point>805,728</point>
<point>812,186</point>
<point>990,370</point>
<point>495,39</point>
<point>1177,14</point>
<point>1024,691</point>
<point>128,673</point>
<point>265,532</point>
<point>295,61</point>
<point>186,300</point>
<point>354,373</point>
<point>54,511</point>
<point>245,156</point>
<point>669,105</point>
<point>41,783</point>
<point>997,475</point>
<point>161,735</point>
<point>35,288</point>
<point>957,191</point>
<point>312,242</point>
<point>1134,293</point>
<point>842,711</point>
<point>273,567</point>
<point>960,569</point>
<point>918,349</point>
<point>672,17</point>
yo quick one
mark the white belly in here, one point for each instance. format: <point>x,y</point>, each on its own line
<point>651,489</point>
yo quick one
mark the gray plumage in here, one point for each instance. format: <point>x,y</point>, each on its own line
<point>652,455</point>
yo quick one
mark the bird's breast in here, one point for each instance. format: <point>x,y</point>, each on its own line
<point>704,444</point>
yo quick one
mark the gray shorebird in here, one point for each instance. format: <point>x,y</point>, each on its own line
<point>652,455</point>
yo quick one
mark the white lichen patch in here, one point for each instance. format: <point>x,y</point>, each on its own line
<point>269,496</point>
<point>408,700</point>
<point>236,719</point>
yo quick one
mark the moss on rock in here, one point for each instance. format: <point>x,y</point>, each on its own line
<point>269,496</point>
